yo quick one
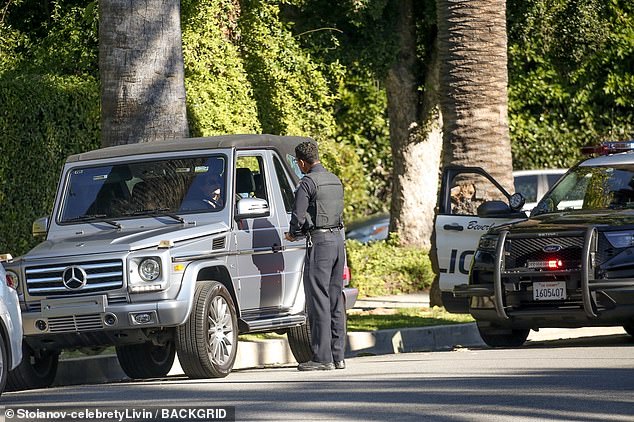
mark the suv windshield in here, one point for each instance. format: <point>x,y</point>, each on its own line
<point>143,188</point>
<point>591,188</point>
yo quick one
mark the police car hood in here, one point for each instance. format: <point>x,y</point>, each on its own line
<point>112,241</point>
<point>572,221</point>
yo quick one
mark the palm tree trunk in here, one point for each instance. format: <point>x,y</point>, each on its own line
<point>141,71</point>
<point>474,79</point>
<point>415,137</point>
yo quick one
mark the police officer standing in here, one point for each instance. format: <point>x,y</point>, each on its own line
<point>318,215</point>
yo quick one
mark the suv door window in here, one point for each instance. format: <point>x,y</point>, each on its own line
<point>250,181</point>
<point>288,195</point>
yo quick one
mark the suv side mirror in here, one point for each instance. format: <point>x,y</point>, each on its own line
<point>40,227</point>
<point>252,208</point>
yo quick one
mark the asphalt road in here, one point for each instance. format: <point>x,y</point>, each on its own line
<point>563,380</point>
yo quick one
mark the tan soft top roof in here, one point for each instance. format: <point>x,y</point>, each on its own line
<point>283,144</point>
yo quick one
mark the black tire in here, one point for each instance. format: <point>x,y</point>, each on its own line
<point>4,363</point>
<point>502,337</point>
<point>37,370</point>
<point>146,360</point>
<point>299,339</point>
<point>207,343</point>
<point>629,328</point>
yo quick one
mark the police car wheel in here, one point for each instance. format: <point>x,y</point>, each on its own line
<point>207,343</point>
<point>37,370</point>
<point>495,336</point>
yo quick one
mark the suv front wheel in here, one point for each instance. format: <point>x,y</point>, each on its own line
<point>208,341</point>
<point>146,360</point>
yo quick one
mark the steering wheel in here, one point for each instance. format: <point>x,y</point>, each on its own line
<point>212,203</point>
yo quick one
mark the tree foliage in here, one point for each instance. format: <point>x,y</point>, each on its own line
<point>310,67</point>
<point>219,94</point>
<point>43,119</point>
<point>571,67</point>
<point>245,72</point>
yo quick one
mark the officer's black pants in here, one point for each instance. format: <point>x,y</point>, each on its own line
<point>323,284</point>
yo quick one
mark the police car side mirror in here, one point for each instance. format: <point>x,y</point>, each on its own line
<point>517,201</point>
<point>252,208</point>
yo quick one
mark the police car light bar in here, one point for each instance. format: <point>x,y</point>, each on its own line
<point>606,148</point>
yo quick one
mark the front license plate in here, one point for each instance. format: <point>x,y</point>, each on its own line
<point>549,290</point>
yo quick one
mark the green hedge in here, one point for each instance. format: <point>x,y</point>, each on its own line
<point>43,119</point>
<point>219,96</point>
<point>384,268</point>
<point>293,96</point>
<point>245,73</point>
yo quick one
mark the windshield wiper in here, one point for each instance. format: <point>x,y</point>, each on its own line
<point>159,212</point>
<point>93,217</point>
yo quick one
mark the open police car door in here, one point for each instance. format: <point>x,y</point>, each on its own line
<point>470,203</point>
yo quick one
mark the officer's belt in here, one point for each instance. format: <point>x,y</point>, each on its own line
<point>326,230</point>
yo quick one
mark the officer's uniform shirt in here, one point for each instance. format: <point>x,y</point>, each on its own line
<point>306,190</point>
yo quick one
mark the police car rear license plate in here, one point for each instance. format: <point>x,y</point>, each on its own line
<point>549,290</point>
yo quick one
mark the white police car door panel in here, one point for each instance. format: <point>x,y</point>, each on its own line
<point>458,227</point>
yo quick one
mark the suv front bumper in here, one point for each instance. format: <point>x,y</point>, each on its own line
<point>93,313</point>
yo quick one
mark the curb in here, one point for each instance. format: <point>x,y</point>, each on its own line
<point>276,352</point>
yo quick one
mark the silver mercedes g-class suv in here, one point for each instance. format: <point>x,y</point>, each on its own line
<point>162,248</point>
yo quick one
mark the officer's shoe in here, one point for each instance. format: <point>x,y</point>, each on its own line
<point>315,366</point>
<point>340,364</point>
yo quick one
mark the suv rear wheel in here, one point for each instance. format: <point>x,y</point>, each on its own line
<point>208,341</point>
<point>146,360</point>
<point>299,341</point>
<point>37,369</point>
<point>495,336</point>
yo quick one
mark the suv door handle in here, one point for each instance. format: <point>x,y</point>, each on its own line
<point>276,248</point>
<point>455,226</point>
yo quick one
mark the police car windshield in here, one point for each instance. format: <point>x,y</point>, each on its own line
<point>591,188</point>
<point>145,188</point>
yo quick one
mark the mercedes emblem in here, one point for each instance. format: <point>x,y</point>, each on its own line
<point>74,277</point>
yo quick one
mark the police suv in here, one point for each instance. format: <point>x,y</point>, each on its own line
<point>570,264</point>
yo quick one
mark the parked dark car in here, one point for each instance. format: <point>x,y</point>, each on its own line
<point>369,229</point>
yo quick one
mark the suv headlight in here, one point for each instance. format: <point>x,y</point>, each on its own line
<point>150,269</point>
<point>147,274</point>
<point>620,239</point>
<point>13,280</point>
<point>488,242</point>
